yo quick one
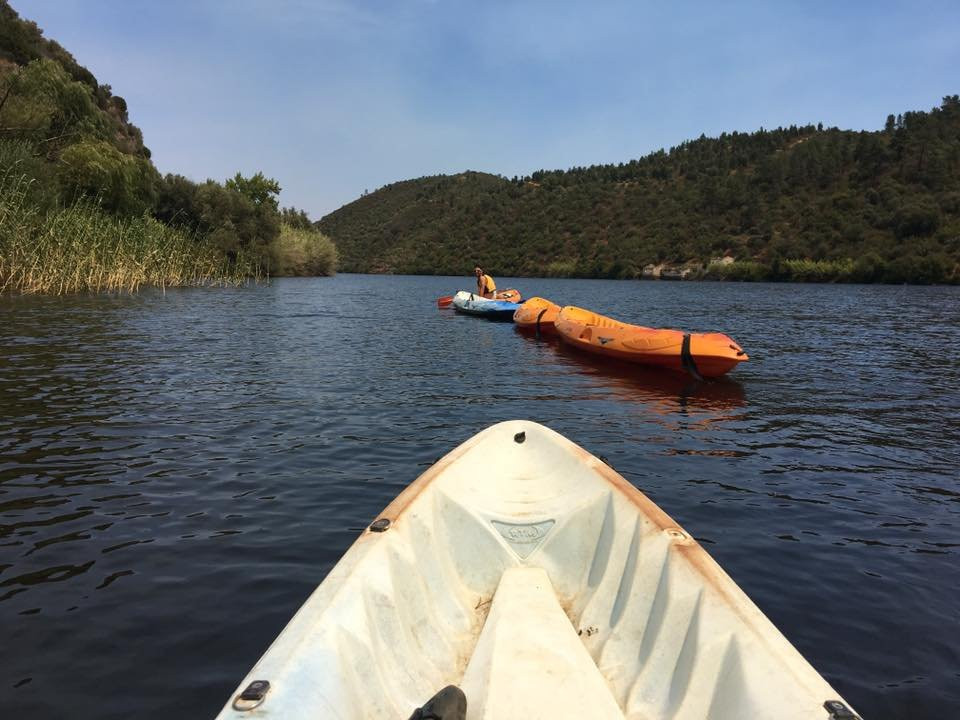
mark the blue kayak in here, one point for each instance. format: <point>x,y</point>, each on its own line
<point>473,304</point>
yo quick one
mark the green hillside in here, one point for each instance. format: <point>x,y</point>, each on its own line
<point>797,203</point>
<point>84,208</point>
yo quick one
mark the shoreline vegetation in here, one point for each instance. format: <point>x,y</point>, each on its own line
<point>83,209</point>
<point>864,270</point>
<point>80,248</point>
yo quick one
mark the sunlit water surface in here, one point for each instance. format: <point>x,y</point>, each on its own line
<point>179,470</point>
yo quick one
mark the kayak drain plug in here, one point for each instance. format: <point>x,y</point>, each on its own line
<point>520,437</point>
<point>380,525</point>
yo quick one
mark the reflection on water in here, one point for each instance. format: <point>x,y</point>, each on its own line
<point>661,395</point>
<point>178,470</point>
<point>663,391</point>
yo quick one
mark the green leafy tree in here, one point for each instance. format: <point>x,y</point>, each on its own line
<point>43,103</point>
<point>261,190</point>
<point>297,219</point>
<point>94,168</point>
<point>918,218</point>
<point>176,202</point>
<point>234,222</point>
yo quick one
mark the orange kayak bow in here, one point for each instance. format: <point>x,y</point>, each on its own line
<point>537,315</point>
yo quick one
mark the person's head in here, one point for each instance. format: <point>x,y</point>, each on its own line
<point>478,271</point>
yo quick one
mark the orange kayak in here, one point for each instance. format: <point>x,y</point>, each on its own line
<point>700,354</point>
<point>537,315</point>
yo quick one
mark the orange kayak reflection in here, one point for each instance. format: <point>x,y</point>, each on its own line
<point>668,391</point>
<point>664,392</point>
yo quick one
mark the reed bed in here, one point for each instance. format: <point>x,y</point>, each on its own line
<point>81,248</point>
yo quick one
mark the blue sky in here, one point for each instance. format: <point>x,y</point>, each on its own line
<point>333,97</point>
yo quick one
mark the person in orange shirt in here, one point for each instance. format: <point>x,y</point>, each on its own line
<point>486,287</point>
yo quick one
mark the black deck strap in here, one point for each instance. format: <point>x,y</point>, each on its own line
<point>686,359</point>
<point>448,704</point>
<point>538,321</point>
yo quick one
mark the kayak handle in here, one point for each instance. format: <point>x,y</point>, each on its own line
<point>251,696</point>
<point>538,321</point>
<point>686,358</point>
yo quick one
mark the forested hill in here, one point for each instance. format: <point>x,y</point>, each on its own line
<point>803,203</point>
<point>22,42</point>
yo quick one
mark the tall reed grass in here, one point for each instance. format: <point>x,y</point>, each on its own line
<point>80,248</point>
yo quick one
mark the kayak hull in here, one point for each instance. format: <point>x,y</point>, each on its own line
<point>537,315</point>
<point>704,354</point>
<point>537,579</point>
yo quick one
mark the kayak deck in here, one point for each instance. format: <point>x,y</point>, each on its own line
<point>535,577</point>
<point>529,661</point>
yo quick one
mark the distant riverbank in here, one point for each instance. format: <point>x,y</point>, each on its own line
<point>869,270</point>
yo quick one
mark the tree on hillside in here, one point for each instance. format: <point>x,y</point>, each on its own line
<point>260,189</point>
<point>41,103</point>
<point>122,183</point>
<point>234,220</point>
<point>297,219</point>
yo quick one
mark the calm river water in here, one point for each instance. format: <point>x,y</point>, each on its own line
<point>178,471</point>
